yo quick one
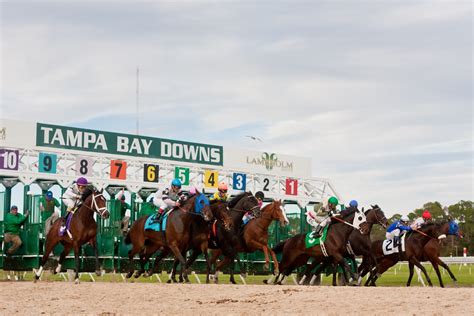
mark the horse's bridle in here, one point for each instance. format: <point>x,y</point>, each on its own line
<point>95,207</point>
<point>377,218</point>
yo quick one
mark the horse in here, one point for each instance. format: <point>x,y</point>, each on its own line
<point>295,253</point>
<point>359,244</point>
<point>83,230</point>
<point>415,242</point>
<point>236,207</point>
<point>253,237</point>
<point>431,253</point>
<point>198,241</point>
<point>175,237</point>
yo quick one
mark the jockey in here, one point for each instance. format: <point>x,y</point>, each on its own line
<point>168,198</point>
<point>250,214</point>
<point>72,198</point>
<point>320,217</point>
<point>396,229</point>
<point>221,194</point>
<point>420,221</point>
<point>353,207</point>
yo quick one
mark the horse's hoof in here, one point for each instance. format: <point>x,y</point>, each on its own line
<point>169,281</point>
<point>137,275</point>
<point>276,272</point>
<point>76,281</point>
<point>129,275</point>
<point>146,275</point>
<point>98,272</point>
<point>266,267</point>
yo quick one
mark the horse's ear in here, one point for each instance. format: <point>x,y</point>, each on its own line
<point>250,192</point>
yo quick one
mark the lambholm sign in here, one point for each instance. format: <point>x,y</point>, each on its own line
<point>48,135</point>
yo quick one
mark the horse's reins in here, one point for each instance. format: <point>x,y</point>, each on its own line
<point>424,234</point>
<point>345,222</point>
<point>94,205</point>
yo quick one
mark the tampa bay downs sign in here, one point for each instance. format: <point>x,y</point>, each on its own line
<point>48,135</point>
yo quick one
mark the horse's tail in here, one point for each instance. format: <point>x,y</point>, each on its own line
<point>279,247</point>
<point>128,239</point>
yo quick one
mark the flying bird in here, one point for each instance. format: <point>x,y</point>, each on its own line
<point>254,138</point>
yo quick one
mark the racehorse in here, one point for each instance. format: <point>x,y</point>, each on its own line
<point>415,242</point>
<point>359,244</point>
<point>83,229</point>
<point>175,237</point>
<point>431,253</point>
<point>295,253</point>
<point>253,237</point>
<point>198,240</point>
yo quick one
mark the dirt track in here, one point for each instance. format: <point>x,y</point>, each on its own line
<point>99,298</point>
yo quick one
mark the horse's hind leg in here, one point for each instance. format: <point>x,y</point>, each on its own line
<point>62,256</point>
<point>444,265</point>
<point>420,266</point>
<point>410,276</point>
<point>48,248</point>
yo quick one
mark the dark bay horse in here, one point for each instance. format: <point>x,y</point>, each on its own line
<point>198,241</point>
<point>359,244</point>
<point>295,253</point>
<point>175,237</point>
<point>431,253</point>
<point>415,242</point>
<point>83,229</point>
<point>253,237</point>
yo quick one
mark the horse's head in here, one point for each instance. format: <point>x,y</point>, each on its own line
<point>360,222</point>
<point>375,215</point>
<point>219,210</point>
<point>245,202</point>
<point>95,201</point>
<point>201,205</point>
<point>276,211</point>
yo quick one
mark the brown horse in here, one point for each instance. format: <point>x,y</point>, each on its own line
<point>223,240</point>
<point>295,253</point>
<point>431,253</point>
<point>177,234</point>
<point>359,244</point>
<point>83,230</point>
<point>415,242</point>
<point>198,242</point>
<point>255,236</point>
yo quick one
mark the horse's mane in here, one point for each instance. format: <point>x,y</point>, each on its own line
<point>233,202</point>
<point>87,192</point>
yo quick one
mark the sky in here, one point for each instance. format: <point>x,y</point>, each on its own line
<point>377,93</point>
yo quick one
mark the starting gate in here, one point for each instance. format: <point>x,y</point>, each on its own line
<point>49,155</point>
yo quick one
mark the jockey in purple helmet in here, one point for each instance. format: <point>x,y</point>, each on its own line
<point>72,196</point>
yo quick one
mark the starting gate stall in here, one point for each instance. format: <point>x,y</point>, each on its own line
<point>44,153</point>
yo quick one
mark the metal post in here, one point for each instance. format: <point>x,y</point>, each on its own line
<point>133,208</point>
<point>7,200</point>
<point>27,203</point>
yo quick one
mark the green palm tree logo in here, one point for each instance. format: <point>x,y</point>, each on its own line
<point>269,160</point>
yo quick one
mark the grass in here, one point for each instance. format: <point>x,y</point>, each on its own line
<point>396,276</point>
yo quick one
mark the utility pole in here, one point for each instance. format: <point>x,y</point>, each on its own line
<point>137,102</point>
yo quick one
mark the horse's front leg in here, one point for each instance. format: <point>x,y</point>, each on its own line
<point>93,243</point>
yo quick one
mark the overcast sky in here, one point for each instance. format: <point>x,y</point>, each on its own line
<point>377,93</point>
